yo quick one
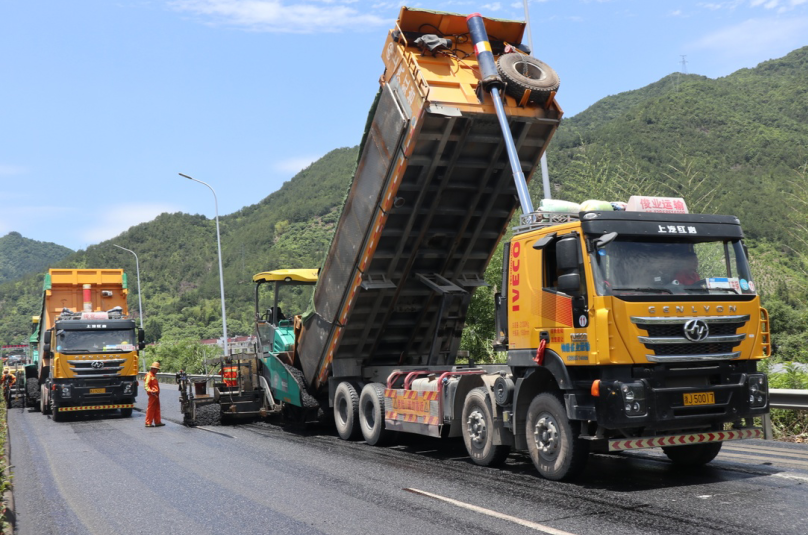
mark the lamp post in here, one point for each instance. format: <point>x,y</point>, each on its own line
<point>219,245</point>
<point>139,300</point>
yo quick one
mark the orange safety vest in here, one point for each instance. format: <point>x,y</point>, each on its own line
<point>230,375</point>
<point>151,384</point>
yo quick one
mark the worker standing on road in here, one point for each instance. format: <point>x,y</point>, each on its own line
<point>152,387</point>
<point>8,381</point>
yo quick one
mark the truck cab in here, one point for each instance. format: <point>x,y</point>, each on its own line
<point>646,324</point>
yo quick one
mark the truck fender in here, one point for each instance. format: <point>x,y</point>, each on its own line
<point>535,381</point>
<point>556,366</point>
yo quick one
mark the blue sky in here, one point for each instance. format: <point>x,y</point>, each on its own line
<point>104,102</point>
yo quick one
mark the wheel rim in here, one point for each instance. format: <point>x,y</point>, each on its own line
<point>546,436</point>
<point>342,409</point>
<point>368,414</point>
<point>477,428</point>
<point>529,70</point>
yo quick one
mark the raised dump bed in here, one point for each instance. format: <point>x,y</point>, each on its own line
<point>432,195</point>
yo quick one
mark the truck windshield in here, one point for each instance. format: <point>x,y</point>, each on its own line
<point>629,266</point>
<point>106,341</point>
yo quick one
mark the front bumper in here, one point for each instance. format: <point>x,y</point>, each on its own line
<point>717,393</point>
<point>79,392</point>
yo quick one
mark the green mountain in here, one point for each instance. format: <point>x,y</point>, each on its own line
<point>20,256</point>
<point>177,253</point>
<point>736,145</point>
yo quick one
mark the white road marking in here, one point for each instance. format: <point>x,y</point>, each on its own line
<point>495,514</point>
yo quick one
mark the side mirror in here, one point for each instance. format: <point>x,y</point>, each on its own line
<point>569,283</point>
<point>568,254</point>
<point>141,339</point>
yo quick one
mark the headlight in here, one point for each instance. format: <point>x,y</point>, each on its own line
<point>758,390</point>
<point>634,398</point>
<point>127,388</point>
<point>66,391</point>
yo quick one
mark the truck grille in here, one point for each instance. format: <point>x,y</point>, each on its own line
<point>668,341</point>
<point>87,369</point>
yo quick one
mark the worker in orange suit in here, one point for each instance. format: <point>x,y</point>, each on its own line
<point>152,387</point>
<point>8,381</point>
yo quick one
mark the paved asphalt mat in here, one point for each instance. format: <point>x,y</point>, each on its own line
<point>103,474</point>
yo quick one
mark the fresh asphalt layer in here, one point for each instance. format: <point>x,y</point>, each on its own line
<point>107,474</point>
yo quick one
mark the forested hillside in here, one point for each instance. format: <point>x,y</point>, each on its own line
<point>20,256</point>
<point>736,145</point>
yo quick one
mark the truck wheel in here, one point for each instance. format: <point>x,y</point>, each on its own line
<point>523,73</point>
<point>126,413</point>
<point>371,415</point>
<point>478,430</point>
<point>44,403</point>
<point>552,439</point>
<point>693,454</point>
<point>346,411</point>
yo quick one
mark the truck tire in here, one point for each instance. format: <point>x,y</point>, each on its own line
<point>126,413</point>
<point>478,430</point>
<point>44,402</point>
<point>553,440</point>
<point>371,415</point>
<point>692,454</point>
<point>346,411</point>
<point>522,73</point>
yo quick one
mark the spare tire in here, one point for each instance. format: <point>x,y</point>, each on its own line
<point>522,73</point>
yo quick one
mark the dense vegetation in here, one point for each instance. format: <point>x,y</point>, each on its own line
<point>20,256</point>
<point>737,145</point>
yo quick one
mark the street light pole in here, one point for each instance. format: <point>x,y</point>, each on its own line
<point>219,245</point>
<point>139,299</point>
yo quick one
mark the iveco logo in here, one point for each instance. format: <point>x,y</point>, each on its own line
<point>97,364</point>
<point>696,330</point>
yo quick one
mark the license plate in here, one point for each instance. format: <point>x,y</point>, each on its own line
<point>700,398</point>
<point>103,390</point>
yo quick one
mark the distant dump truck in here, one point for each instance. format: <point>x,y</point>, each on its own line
<point>608,347</point>
<point>86,345</point>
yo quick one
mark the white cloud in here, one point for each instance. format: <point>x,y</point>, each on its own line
<point>115,220</point>
<point>282,16</point>
<point>12,170</point>
<point>295,165</point>
<point>756,38</point>
<point>496,6</point>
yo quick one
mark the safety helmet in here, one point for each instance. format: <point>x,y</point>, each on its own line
<point>155,364</point>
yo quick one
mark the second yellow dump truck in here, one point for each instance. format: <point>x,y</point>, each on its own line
<point>86,344</point>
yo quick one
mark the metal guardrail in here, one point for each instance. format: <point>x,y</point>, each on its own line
<point>796,400</point>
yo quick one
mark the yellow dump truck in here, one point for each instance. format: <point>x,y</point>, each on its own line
<point>622,330</point>
<point>86,344</point>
